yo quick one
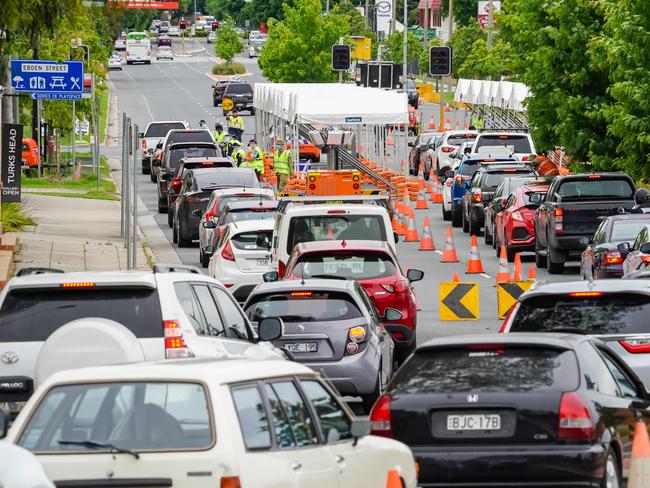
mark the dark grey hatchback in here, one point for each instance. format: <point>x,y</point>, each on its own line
<point>516,410</point>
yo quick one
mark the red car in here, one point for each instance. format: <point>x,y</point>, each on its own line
<point>375,267</point>
<point>515,224</point>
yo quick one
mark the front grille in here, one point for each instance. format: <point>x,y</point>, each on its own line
<point>520,234</point>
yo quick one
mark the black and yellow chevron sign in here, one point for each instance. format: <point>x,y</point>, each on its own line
<point>508,292</point>
<point>459,301</point>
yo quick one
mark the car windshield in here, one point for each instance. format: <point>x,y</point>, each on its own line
<point>627,230</point>
<point>120,416</point>
<point>161,130</point>
<point>595,188</point>
<point>339,227</point>
<point>239,88</point>
<point>259,240</point>
<point>249,214</point>
<point>519,143</point>
<point>493,179</point>
<point>175,155</point>
<point>303,306</point>
<point>32,315</point>
<point>355,265</point>
<point>488,368</point>
<point>189,136</point>
<point>600,313</point>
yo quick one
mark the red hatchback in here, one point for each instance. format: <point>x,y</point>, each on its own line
<point>375,266</point>
<point>515,224</point>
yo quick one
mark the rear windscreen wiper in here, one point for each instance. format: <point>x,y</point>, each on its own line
<point>99,445</point>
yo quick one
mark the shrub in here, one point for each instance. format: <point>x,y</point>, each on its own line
<point>229,69</point>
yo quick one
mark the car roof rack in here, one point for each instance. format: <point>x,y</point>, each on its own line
<point>37,271</point>
<point>175,268</point>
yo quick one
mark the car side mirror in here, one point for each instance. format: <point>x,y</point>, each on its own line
<point>396,236</point>
<point>645,248</point>
<point>270,329</point>
<point>141,135</point>
<point>391,315</point>
<point>164,176</point>
<point>410,144</point>
<point>467,150</point>
<point>536,198</point>
<point>157,162</point>
<point>208,224</point>
<point>4,423</point>
<point>414,275</point>
<point>270,277</point>
<point>159,145</point>
<point>624,247</point>
<point>359,428</point>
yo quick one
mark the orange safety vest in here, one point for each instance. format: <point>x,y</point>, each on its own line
<point>548,168</point>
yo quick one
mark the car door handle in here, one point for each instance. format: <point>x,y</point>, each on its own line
<point>339,458</point>
<point>296,465</point>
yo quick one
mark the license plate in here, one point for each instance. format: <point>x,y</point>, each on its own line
<point>474,422</point>
<point>302,347</point>
<point>263,262</point>
<point>12,407</point>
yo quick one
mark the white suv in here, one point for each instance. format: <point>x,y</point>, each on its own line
<point>518,144</point>
<point>153,134</point>
<point>51,321</point>
<point>204,424</point>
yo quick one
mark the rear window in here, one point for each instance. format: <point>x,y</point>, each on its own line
<point>238,89</point>
<point>457,140</point>
<point>596,188</point>
<point>493,179</point>
<point>469,168</point>
<point>253,241</point>
<point>303,306</point>
<point>175,155</point>
<point>226,199</point>
<point>221,178</point>
<point>32,315</point>
<point>250,214</point>
<point>339,227</point>
<point>190,136</point>
<point>519,143</point>
<point>161,130</point>
<point>612,313</point>
<point>627,230</point>
<point>345,266</point>
<point>494,368</point>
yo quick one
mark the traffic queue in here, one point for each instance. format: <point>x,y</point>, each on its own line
<point>250,375</point>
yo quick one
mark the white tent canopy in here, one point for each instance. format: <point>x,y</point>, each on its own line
<point>500,94</point>
<point>331,104</point>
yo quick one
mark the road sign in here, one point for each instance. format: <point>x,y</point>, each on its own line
<point>483,14</point>
<point>459,301</point>
<point>57,96</point>
<point>508,292</point>
<point>10,165</point>
<point>39,76</point>
<point>227,104</point>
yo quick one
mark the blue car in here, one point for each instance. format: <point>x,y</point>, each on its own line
<point>462,180</point>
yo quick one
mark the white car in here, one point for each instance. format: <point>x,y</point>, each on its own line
<point>212,36</point>
<point>165,52</point>
<point>255,46</point>
<point>155,132</point>
<point>242,256</point>
<point>20,468</point>
<point>119,45</point>
<point>174,31</point>
<point>518,144</point>
<point>451,140</point>
<point>115,62</point>
<point>446,198</point>
<point>51,321</point>
<point>204,424</point>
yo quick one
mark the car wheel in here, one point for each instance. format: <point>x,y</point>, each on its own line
<point>465,223</point>
<point>182,241</point>
<point>152,176</point>
<point>473,228</point>
<point>510,253</point>
<point>224,113</point>
<point>456,217</point>
<point>145,171</point>
<point>170,218</point>
<point>205,259</point>
<point>215,103</point>
<point>252,111</point>
<point>554,267</point>
<point>488,237</point>
<point>174,234</point>
<point>162,207</point>
<point>494,233</point>
<point>612,474</point>
<point>446,214</point>
<point>369,399</point>
<point>540,261</point>
<point>497,246</point>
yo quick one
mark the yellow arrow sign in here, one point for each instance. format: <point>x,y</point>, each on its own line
<point>227,104</point>
<point>508,292</point>
<point>459,301</point>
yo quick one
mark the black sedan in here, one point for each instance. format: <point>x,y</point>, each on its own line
<point>602,259</point>
<point>518,410</point>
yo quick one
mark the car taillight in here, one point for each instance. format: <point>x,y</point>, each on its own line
<point>380,417</point>
<point>144,144</point>
<point>281,268</point>
<point>357,334</point>
<point>645,259</point>
<point>575,422</point>
<point>636,346</point>
<point>400,286</point>
<point>175,346</point>
<point>227,253</point>
<point>613,257</point>
<point>148,53</point>
<point>516,215</point>
<point>559,219</point>
<point>458,179</point>
<point>161,155</point>
<point>505,327</point>
<point>477,195</point>
<point>176,184</point>
<point>230,482</point>
<point>448,149</point>
<point>525,158</point>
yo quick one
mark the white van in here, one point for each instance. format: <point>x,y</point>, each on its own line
<point>304,223</point>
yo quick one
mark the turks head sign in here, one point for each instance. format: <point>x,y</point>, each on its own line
<point>143,4</point>
<point>11,161</point>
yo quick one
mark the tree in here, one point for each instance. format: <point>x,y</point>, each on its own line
<point>483,63</point>
<point>224,8</point>
<point>461,44</point>
<point>299,47</point>
<point>395,47</point>
<point>464,11</point>
<point>227,43</point>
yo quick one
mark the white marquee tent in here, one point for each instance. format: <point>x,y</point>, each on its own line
<point>498,94</point>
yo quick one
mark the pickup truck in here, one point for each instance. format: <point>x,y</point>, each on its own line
<point>571,211</point>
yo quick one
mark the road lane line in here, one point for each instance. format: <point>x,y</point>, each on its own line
<point>485,275</point>
<point>143,97</point>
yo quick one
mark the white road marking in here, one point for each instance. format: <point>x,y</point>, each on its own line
<point>438,251</point>
<point>485,275</point>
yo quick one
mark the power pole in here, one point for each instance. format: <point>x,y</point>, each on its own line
<point>451,20</point>
<point>366,12</point>
<point>405,58</point>
<point>426,24</point>
<point>489,25</point>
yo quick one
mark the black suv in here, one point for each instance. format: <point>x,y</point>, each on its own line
<point>241,95</point>
<point>217,92</point>
<point>412,93</point>
<point>484,182</point>
<point>173,155</point>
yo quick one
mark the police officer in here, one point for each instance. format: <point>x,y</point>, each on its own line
<point>218,133</point>
<point>641,201</point>
<point>256,159</point>
<point>281,163</point>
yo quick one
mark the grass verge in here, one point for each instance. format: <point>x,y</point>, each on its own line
<point>87,181</point>
<point>13,218</point>
<point>89,195</point>
<point>229,69</point>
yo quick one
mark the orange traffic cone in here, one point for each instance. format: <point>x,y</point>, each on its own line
<point>449,252</point>
<point>518,271</point>
<point>408,210</point>
<point>420,178</point>
<point>426,243</point>
<point>393,481</point>
<point>401,229</point>
<point>455,278</point>
<point>504,273</point>
<point>395,222</point>
<point>532,276</point>
<point>432,124</point>
<point>389,138</point>
<point>474,264</point>
<point>402,165</point>
<point>411,231</point>
<point>422,201</point>
<point>438,189</point>
<point>640,468</point>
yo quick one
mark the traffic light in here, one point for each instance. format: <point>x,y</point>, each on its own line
<point>182,24</point>
<point>440,61</point>
<point>215,25</point>
<point>340,57</point>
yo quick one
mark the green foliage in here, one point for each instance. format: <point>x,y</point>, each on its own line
<point>424,57</point>
<point>464,11</point>
<point>227,44</point>
<point>395,47</point>
<point>484,63</point>
<point>223,8</point>
<point>229,69</point>
<point>13,218</point>
<point>462,41</point>
<point>299,47</point>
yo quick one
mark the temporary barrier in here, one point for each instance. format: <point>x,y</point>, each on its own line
<point>508,292</point>
<point>459,301</point>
